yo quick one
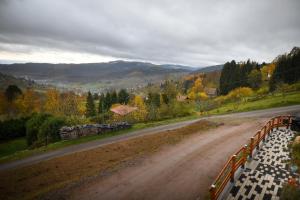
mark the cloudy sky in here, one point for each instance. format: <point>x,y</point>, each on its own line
<point>193,32</point>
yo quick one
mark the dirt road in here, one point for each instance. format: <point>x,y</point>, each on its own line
<point>183,171</point>
<point>147,131</point>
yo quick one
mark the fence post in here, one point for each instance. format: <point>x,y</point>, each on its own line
<point>233,160</point>
<point>258,141</point>
<point>251,146</point>
<point>278,122</point>
<point>265,132</point>
<point>244,155</point>
<point>289,122</point>
<point>212,191</point>
<point>272,126</point>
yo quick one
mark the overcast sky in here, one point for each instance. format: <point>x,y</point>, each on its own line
<point>193,32</point>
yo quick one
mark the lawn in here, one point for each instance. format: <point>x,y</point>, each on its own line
<point>270,101</point>
<point>12,146</point>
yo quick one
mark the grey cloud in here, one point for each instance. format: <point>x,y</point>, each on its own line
<point>191,32</point>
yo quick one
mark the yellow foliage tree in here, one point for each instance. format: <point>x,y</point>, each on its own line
<point>52,104</point>
<point>29,103</point>
<point>267,71</point>
<point>202,96</point>
<point>197,90</point>
<point>240,93</point>
<point>141,113</point>
<point>69,104</point>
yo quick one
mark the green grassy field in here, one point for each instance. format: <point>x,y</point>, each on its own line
<point>12,146</point>
<point>271,101</point>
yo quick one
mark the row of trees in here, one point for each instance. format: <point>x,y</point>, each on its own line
<point>287,69</point>
<point>14,102</point>
<point>234,75</point>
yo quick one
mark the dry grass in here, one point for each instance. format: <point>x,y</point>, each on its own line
<point>33,181</point>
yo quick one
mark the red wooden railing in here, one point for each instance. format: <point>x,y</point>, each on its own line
<point>239,159</point>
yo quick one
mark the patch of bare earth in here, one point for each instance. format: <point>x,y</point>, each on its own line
<point>183,171</point>
<point>38,179</point>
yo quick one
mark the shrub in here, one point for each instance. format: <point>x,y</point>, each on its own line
<point>290,192</point>
<point>13,128</point>
<point>33,126</point>
<point>49,130</point>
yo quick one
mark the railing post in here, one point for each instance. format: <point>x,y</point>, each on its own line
<point>212,191</point>
<point>233,160</point>
<point>265,132</point>
<point>272,126</point>
<point>258,141</point>
<point>278,122</point>
<point>289,122</point>
<point>251,146</point>
<point>244,156</point>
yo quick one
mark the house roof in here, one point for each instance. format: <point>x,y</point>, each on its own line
<point>123,109</point>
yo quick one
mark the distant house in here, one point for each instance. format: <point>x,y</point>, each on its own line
<point>182,98</point>
<point>123,110</point>
<point>211,92</point>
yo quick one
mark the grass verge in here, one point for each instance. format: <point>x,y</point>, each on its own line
<point>31,182</point>
<point>271,101</point>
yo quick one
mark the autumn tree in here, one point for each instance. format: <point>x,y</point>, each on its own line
<point>239,94</point>
<point>52,104</point>
<point>141,113</point>
<point>30,102</point>
<point>69,104</point>
<point>90,106</point>
<point>255,79</point>
<point>267,71</point>
<point>169,92</point>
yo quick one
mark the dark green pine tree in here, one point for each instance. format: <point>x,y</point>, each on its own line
<point>12,92</point>
<point>123,96</point>
<point>90,106</point>
<point>107,101</point>
<point>287,69</point>
<point>101,108</point>
<point>114,97</point>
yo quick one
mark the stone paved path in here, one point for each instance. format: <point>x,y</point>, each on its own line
<point>264,176</point>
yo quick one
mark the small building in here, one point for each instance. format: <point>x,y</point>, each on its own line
<point>211,92</point>
<point>182,98</point>
<point>123,110</point>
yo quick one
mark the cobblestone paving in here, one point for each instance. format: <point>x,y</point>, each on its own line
<point>264,176</point>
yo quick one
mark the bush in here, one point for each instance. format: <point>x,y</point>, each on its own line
<point>290,192</point>
<point>13,128</point>
<point>33,126</point>
<point>49,130</point>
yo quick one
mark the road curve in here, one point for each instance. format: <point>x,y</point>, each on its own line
<point>98,143</point>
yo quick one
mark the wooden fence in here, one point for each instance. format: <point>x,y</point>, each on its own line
<point>240,157</point>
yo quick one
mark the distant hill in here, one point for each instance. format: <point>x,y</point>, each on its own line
<point>6,80</point>
<point>98,76</point>
<point>116,74</point>
<point>209,69</point>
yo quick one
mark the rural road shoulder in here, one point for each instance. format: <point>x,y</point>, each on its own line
<point>138,133</point>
